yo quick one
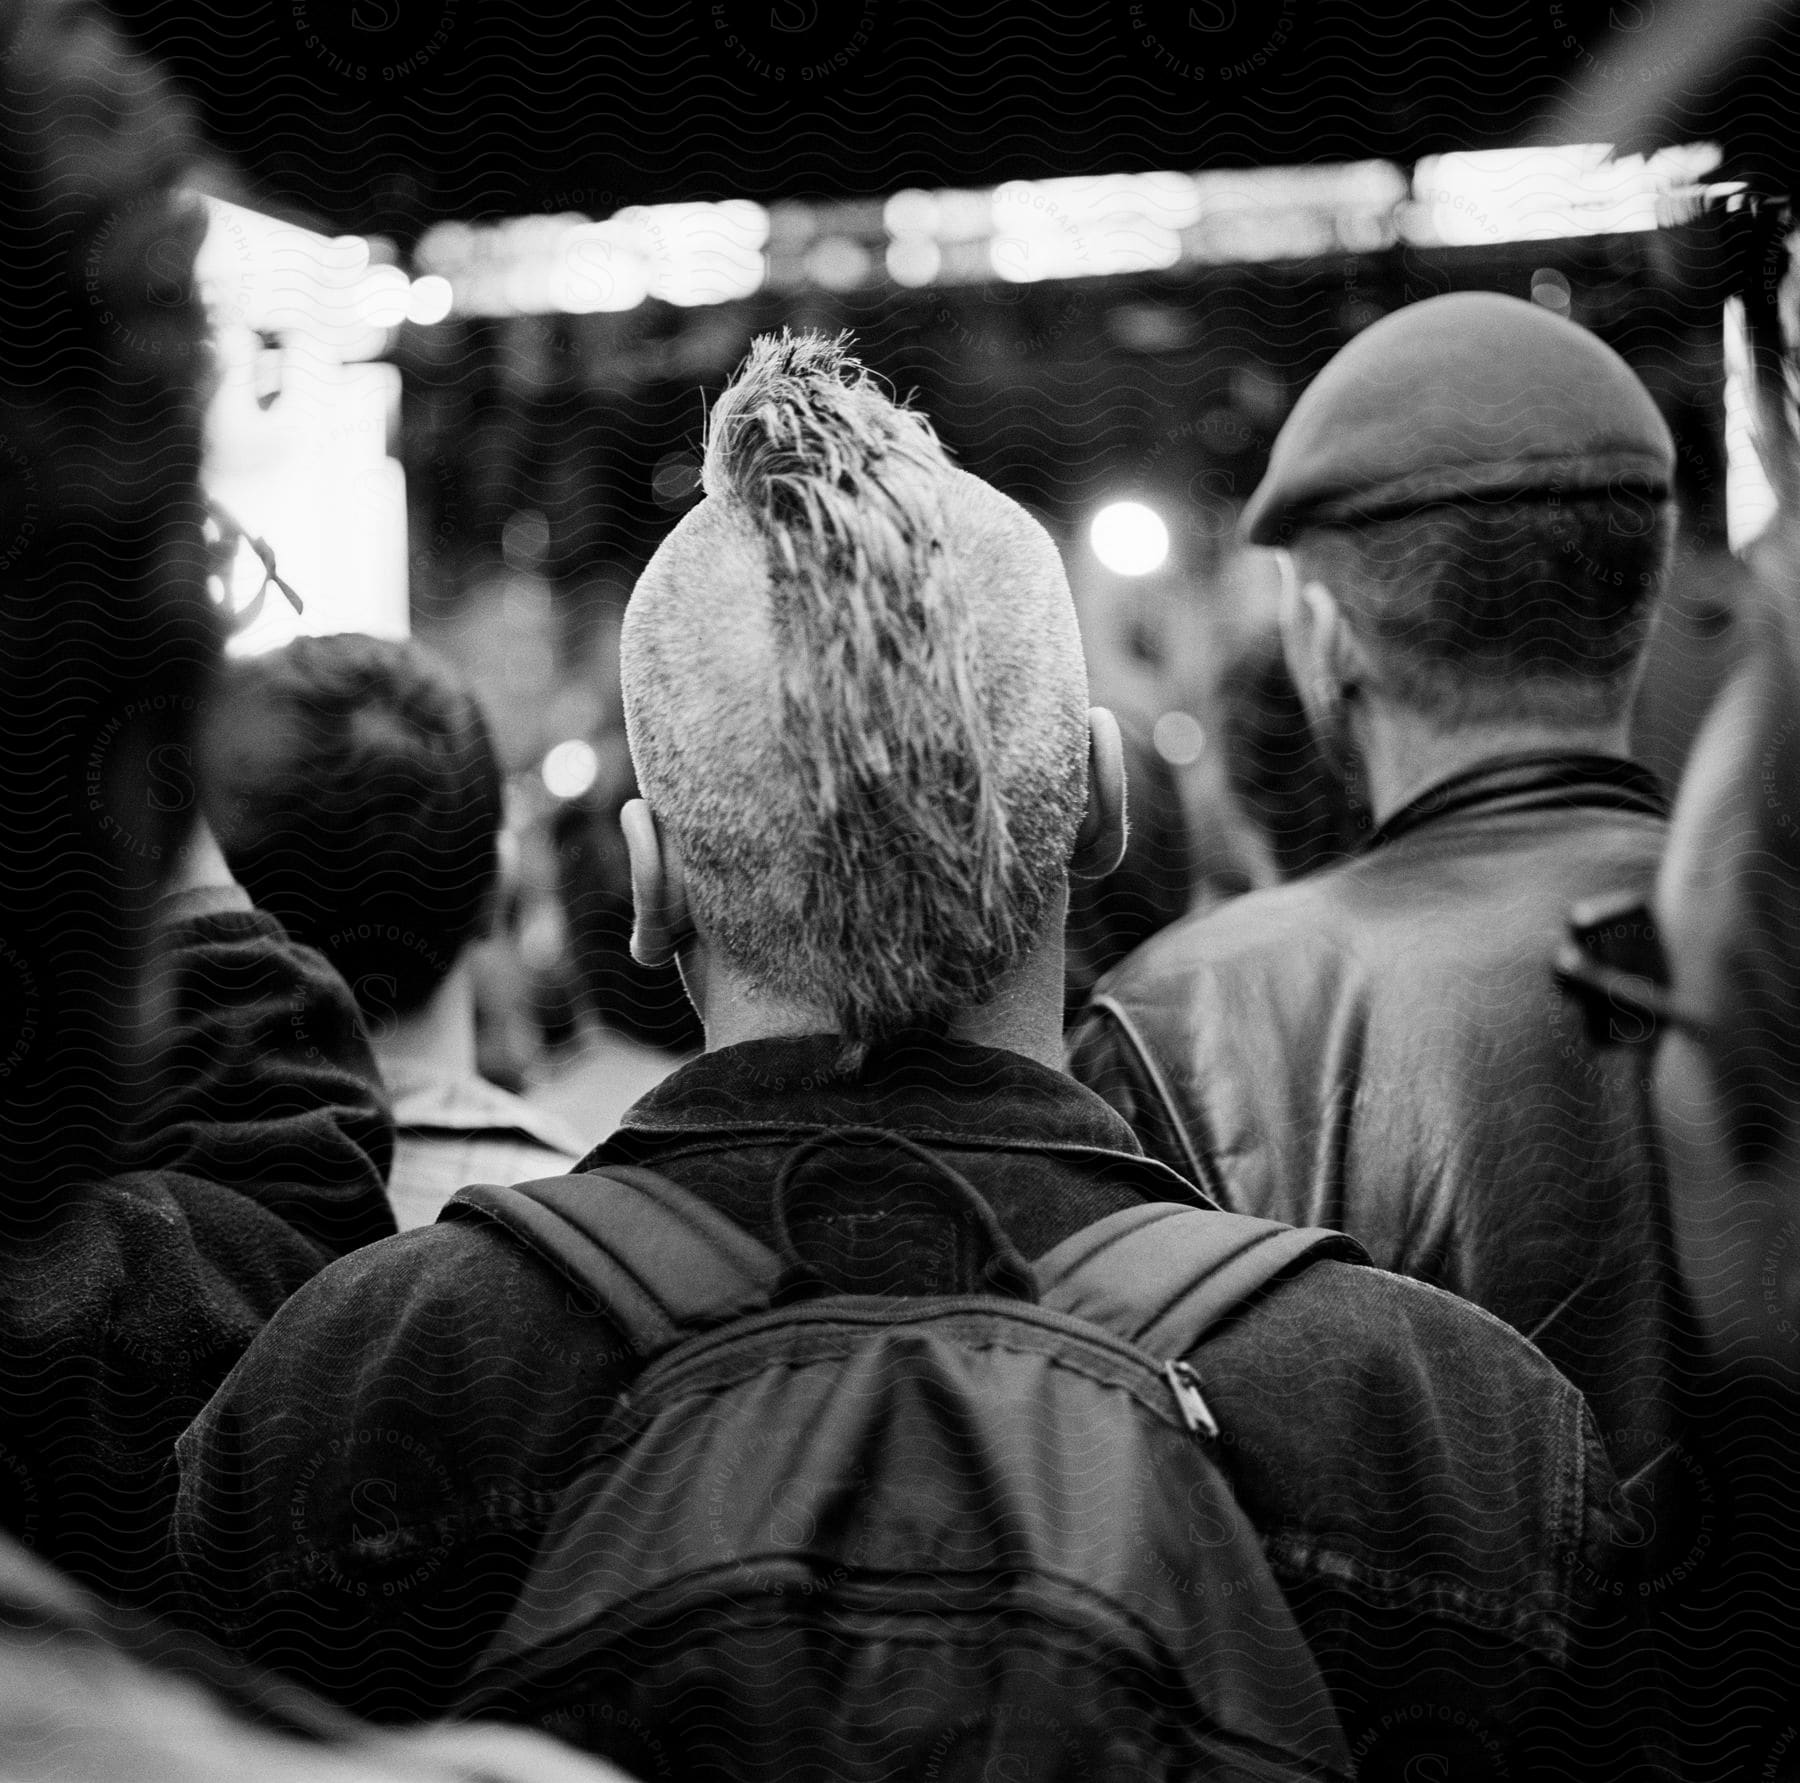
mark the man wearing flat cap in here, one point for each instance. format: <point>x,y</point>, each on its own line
<point>1472,504</point>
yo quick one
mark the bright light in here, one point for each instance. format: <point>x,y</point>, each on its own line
<point>570,769</point>
<point>1550,289</point>
<point>1129,538</point>
<point>384,296</point>
<point>312,477</point>
<point>1179,739</point>
<point>255,271</point>
<point>686,254</point>
<point>1474,197</point>
<point>1288,213</point>
<point>597,266</point>
<point>700,253</point>
<point>838,263</point>
<point>911,212</point>
<point>914,259</point>
<point>428,300</point>
<point>1089,226</point>
<point>1750,500</point>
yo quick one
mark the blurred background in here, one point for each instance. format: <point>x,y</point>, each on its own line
<point>476,268</point>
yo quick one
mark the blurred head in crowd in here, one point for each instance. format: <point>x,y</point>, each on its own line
<point>1728,1066</point>
<point>1474,496</point>
<point>1294,798</point>
<point>107,637</point>
<point>646,1003</point>
<point>359,799</point>
<point>856,702</point>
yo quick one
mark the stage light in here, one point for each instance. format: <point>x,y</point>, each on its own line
<point>1477,197</point>
<point>838,263</point>
<point>384,297</point>
<point>1129,538</point>
<point>1090,226</point>
<point>1179,738</point>
<point>570,769</point>
<point>428,300</point>
<point>914,260</point>
<point>1751,503</point>
<point>701,253</point>
<point>911,212</point>
<point>1550,289</point>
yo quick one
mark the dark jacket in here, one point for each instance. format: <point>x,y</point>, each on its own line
<point>259,1159</point>
<point>362,1499</point>
<point>1381,1048</point>
<point>90,1690</point>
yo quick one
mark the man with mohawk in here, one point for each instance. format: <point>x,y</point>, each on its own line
<point>857,706</point>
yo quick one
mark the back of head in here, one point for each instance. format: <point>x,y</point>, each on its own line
<point>358,799</point>
<point>857,703</point>
<point>1728,905</point>
<point>1729,892</point>
<point>1484,488</point>
<point>107,638</point>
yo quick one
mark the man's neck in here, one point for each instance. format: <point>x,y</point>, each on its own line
<point>1023,1016</point>
<point>438,1038</point>
<point>1403,755</point>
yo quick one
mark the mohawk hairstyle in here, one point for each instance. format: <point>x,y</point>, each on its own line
<point>929,698</point>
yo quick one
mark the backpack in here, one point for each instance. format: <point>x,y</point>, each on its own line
<point>868,1536</point>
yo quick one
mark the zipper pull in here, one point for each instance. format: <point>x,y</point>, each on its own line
<point>1196,1414</point>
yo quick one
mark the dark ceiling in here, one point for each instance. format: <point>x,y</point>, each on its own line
<point>387,115</point>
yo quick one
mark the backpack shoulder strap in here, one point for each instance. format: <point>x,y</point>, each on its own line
<point>656,1259</point>
<point>1164,1276</point>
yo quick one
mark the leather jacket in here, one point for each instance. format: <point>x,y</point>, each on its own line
<point>1381,1048</point>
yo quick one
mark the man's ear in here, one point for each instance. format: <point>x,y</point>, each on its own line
<point>1323,658</point>
<point>661,923</point>
<point>1100,842</point>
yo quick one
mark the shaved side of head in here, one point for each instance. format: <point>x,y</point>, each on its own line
<point>856,700</point>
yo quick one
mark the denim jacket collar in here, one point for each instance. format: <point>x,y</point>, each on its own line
<point>932,1089</point>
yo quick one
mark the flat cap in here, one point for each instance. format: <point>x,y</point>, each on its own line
<point>1468,397</point>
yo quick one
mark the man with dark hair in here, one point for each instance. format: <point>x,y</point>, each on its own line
<point>1472,501</point>
<point>857,706</point>
<point>359,800</point>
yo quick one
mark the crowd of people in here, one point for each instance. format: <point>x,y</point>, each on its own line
<point>1361,1343</point>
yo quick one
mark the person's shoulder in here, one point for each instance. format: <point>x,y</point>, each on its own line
<point>148,1237</point>
<point>1382,1428</point>
<point>1249,939</point>
<point>1391,1326</point>
<point>457,1288</point>
<point>449,1359</point>
<point>1376,1361</point>
<point>463,1301</point>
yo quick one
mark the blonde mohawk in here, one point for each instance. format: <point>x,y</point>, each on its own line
<point>916,882</point>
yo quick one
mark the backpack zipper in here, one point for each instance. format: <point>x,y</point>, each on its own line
<point>670,1371</point>
<point>1196,1414</point>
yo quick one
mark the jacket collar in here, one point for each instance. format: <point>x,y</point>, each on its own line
<point>1542,780</point>
<point>948,1091</point>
